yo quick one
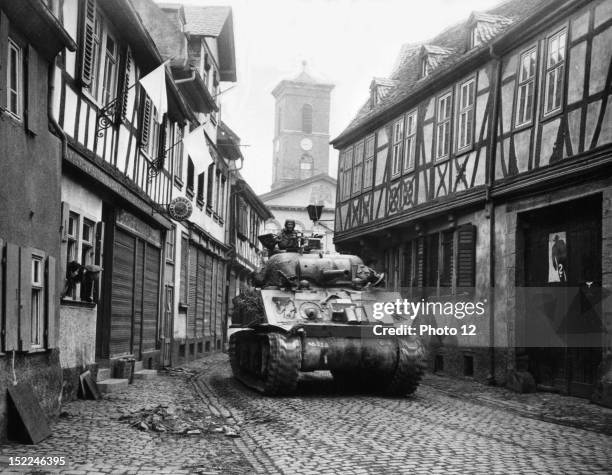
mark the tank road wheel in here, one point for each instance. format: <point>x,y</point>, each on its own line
<point>409,369</point>
<point>267,362</point>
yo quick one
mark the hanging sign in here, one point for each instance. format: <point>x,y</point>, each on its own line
<point>180,208</point>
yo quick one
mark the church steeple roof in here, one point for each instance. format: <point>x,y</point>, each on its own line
<point>305,77</point>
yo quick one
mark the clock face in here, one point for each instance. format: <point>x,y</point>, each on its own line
<point>306,144</point>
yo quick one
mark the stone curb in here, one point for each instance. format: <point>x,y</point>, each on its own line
<point>260,462</point>
<point>509,407</point>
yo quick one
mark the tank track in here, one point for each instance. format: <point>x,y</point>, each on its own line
<point>403,380</point>
<point>267,362</point>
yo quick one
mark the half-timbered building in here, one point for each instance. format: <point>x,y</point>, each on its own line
<point>30,39</point>
<point>483,162</point>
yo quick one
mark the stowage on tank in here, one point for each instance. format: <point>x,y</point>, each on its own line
<point>312,311</point>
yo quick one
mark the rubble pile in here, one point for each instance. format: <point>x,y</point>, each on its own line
<point>170,419</point>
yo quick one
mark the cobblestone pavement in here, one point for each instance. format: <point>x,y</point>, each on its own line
<point>319,431</point>
<point>93,439</point>
<point>448,426</point>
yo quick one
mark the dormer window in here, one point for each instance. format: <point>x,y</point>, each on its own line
<point>474,37</point>
<point>425,66</point>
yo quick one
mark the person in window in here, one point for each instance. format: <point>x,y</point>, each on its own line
<point>288,239</point>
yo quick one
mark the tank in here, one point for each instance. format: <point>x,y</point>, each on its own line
<point>311,311</point>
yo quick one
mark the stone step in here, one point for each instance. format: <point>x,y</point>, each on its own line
<point>145,374</point>
<point>103,373</point>
<point>137,365</point>
<point>112,384</point>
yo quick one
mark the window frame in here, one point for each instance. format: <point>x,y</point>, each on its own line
<point>521,83</point>
<point>38,288</point>
<point>425,69</point>
<point>474,40</point>
<point>410,138</point>
<point>358,163</point>
<point>368,161</point>
<point>469,112</point>
<point>447,122</point>
<point>347,173</point>
<point>397,146</point>
<point>559,66</point>
<point>170,244</point>
<point>19,92</point>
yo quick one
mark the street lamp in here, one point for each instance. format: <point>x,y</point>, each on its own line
<point>314,212</point>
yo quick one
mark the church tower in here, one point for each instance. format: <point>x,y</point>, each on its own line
<point>301,131</point>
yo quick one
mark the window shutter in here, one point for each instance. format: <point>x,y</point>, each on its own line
<point>466,256</point>
<point>11,337</point>
<point>88,56</point>
<point>25,297</point>
<point>145,123</point>
<point>2,263</point>
<point>4,28</point>
<point>50,297</point>
<point>34,116</point>
<point>99,258</point>
<point>125,94</point>
<point>161,153</point>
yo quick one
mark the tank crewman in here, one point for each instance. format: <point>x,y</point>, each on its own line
<point>288,239</point>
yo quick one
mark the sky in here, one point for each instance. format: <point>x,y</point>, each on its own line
<point>345,42</point>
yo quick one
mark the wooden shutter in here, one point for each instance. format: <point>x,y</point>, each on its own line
<point>36,117</point>
<point>50,302</point>
<point>150,296</point>
<point>200,293</point>
<point>125,93</point>
<point>145,123</point>
<point>122,293</point>
<point>25,297</point>
<point>191,295</point>
<point>99,258</point>
<point>466,256</point>
<point>161,151</point>
<point>183,297</point>
<point>11,337</point>
<point>4,29</point>
<point>2,263</point>
<point>88,49</point>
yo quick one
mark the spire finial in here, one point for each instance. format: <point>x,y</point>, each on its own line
<point>304,64</point>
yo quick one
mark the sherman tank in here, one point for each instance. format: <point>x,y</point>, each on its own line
<point>311,311</point>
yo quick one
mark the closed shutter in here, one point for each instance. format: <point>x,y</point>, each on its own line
<point>11,337</point>
<point>219,316</point>
<point>192,285</point>
<point>138,313</point>
<point>2,264</point>
<point>161,151</point>
<point>466,256</point>
<point>122,293</point>
<point>183,291</point>
<point>88,48</point>
<point>208,292</point>
<point>200,293</point>
<point>4,29</point>
<point>36,118</point>
<point>420,262</point>
<point>150,298</point>
<point>123,109</point>
<point>98,257</point>
<point>50,304</point>
<point>145,123</point>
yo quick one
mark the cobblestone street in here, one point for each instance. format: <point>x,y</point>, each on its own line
<point>317,431</point>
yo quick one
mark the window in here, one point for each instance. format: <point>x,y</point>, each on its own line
<point>153,145</point>
<point>175,150</point>
<point>474,37</point>
<point>398,136</point>
<point>14,87</point>
<point>347,169</point>
<point>466,114</point>
<point>190,176</point>
<point>555,62</point>
<point>72,253</point>
<point>446,266</point>
<point>358,168</point>
<point>200,193</point>
<point>368,166</point>
<point>37,304</point>
<point>222,197</point>
<point>525,87</point>
<point>425,67</point>
<point>306,166</point>
<point>87,254</point>
<point>443,125</point>
<point>170,242</point>
<point>410,141</point>
<point>210,185</point>
<point>109,71</point>
<point>307,118</point>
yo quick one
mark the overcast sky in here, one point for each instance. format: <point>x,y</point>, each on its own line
<point>346,42</point>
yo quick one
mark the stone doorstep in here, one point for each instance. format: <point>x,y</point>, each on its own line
<point>145,374</point>
<point>137,366</point>
<point>112,384</point>
<point>103,373</point>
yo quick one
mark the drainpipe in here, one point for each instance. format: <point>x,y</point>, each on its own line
<point>495,90</point>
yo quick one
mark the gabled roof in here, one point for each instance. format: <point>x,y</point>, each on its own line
<point>206,21</point>
<point>216,22</point>
<point>297,184</point>
<point>449,49</point>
